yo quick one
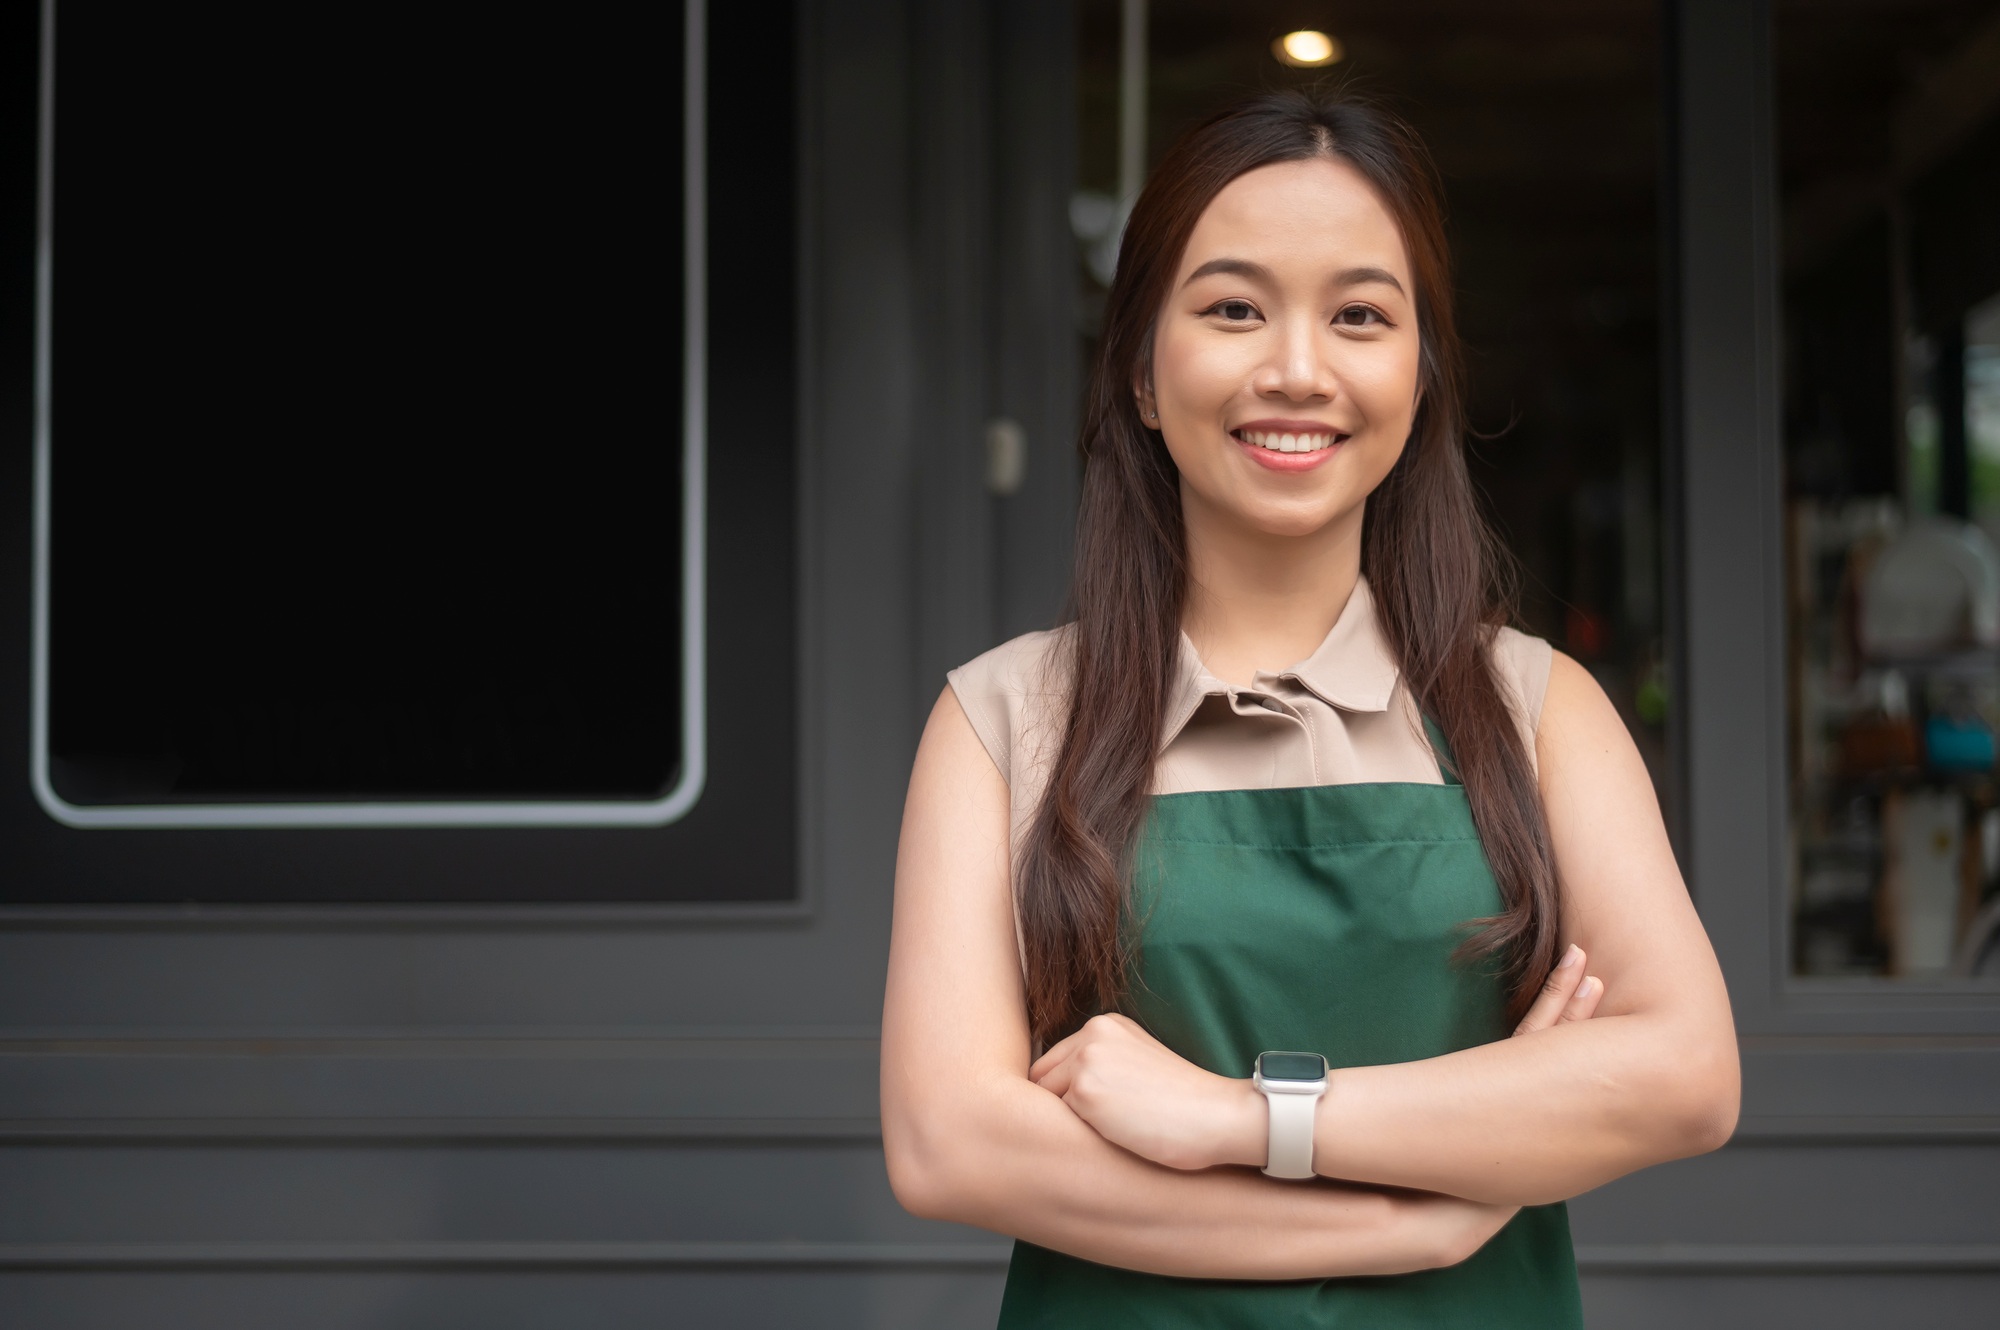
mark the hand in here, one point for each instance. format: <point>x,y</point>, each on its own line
<point>1143,1096</point>
<point>1568,995</point>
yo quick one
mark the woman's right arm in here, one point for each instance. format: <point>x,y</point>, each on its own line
<point>970,1138</point>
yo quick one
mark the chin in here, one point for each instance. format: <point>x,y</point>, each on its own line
<point>1292,521</point>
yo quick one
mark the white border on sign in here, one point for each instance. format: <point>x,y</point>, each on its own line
<point>488,813</point>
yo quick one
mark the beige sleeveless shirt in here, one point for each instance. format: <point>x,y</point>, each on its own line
<point>1339,717</point>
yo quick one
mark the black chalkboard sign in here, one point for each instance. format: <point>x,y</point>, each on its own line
<point>368,472</point>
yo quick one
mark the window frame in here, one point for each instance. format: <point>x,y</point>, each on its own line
<point>1727,473</point>
<point>692,772</point>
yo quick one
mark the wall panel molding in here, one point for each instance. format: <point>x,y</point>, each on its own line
<point>155,919</point>
<point>650,1088</point>
<point>496,1255</point>
<point>1718,1258</point>
<point>1664,1258</point>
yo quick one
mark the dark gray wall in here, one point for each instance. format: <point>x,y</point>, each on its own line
<point>611,1116</point>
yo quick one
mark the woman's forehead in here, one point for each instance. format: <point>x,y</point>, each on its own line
<point>1298,219</point>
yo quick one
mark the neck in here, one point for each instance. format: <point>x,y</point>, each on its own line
<point>1259,601</point>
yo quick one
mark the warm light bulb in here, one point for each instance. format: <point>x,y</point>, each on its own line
<point>1306,49</point>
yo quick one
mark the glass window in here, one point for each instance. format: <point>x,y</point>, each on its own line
<point>363,429</point>
<point>365,436</point>
<point>1889,159</point>
<point>1546,126</point>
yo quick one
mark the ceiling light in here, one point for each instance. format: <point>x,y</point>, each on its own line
<point>1307,49</point>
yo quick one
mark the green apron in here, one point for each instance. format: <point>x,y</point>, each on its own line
<point>1322,919</point>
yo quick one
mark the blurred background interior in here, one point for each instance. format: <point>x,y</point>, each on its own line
<point>1889,154</point>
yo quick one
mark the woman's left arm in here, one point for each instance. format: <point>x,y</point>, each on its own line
<point>1652,1077</point>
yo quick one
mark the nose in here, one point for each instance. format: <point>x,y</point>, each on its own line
<point>1298,369</point>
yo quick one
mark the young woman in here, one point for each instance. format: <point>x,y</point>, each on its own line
<point>1285,783</point>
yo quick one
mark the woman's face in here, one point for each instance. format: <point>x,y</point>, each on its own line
<point>1284,373</point>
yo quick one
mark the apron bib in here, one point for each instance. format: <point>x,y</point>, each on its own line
<point>1323,919</point>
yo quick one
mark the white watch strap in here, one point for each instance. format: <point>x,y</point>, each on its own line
<point>1291,1150</point>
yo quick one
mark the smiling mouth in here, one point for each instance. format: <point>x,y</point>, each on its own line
<point>1288,443</point>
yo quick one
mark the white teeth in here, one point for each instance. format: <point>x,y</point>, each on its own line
<point>1289,443</point>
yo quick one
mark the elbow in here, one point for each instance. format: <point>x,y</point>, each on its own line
<point>934,1172</point>
<point>1709,1124</point>
<point>920,1173</point>
<point>1458,1246</point>
<point>1706,1098</point>
<point>951,1152</point>
<point>1451,1236</point>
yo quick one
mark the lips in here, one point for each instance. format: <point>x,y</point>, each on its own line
<point>1289,445</point>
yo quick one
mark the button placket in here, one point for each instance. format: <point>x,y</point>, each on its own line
<point>1253,702</point>
<point>1307,722</point>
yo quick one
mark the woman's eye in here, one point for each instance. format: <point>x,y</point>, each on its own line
<point>1236,311</point>
<point>1358,316</point>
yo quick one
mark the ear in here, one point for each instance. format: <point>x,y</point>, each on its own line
<point>1149,408</point>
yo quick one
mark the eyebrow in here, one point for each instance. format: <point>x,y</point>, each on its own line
<point>1258,272</point>
<point>1363,276</point>
<point>1234,267</point>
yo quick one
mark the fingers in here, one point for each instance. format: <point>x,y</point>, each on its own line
<point>1059,1053</point>
<point>1557,992</point>
<point>1062,1054</point>
<point>1057,1079</point>
<point>1583,1005</point>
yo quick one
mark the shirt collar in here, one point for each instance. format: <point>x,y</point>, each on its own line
<point>1352,669</point>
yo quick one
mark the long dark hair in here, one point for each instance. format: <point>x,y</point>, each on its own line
<point>1442,585</point>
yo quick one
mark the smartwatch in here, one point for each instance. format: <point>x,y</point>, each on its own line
<point>1291,1084</point>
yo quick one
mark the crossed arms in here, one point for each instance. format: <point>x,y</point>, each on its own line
<point>1112,1148</point>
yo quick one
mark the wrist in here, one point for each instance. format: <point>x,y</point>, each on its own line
<point>1245,1136</point>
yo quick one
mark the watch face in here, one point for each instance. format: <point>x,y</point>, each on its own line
<point>1291,1066</point>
